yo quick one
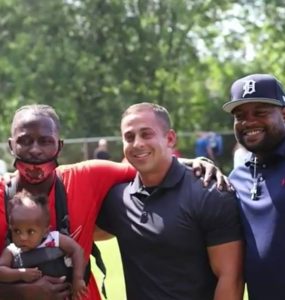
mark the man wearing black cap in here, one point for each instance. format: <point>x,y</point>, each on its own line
<point>257,104</point>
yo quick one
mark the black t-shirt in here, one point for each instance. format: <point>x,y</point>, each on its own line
<point>163,236</point>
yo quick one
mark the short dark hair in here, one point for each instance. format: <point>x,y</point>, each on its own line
<point>40,200</point>
<point>160,112</point>
<point>41,110</point>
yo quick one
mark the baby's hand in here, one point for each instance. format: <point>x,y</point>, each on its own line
<point>30,274</point>
<point>79,289</point>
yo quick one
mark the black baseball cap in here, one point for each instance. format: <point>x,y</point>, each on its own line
<point>263,88</point>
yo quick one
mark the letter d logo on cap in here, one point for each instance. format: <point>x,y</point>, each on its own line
<point>248,87</point>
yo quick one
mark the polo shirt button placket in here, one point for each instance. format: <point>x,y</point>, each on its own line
<point>144,217</point>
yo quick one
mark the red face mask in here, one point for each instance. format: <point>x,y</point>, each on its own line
<point>35,172</point>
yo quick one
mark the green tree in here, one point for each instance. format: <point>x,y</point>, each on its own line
<point>91,59</point>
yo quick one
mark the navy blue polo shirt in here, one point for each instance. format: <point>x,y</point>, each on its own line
<point>163,234</point>
<point>264,224</point>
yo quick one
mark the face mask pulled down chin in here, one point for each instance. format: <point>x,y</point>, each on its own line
<point>35,173</point>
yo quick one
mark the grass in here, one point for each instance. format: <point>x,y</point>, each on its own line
<point>115,285</point>
<point>115,279</point>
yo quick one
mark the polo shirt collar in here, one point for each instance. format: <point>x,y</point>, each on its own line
<point>173,176</point>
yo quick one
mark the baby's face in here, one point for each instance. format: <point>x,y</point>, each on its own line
<point>28,227</point>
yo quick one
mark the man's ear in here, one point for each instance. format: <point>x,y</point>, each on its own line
<point>171,136</point>
<point>10,146</point>
<point>283,112</point>
<point>60,145</point>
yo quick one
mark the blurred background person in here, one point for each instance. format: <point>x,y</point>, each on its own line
<point>3,164</point>
<point>202,145</point>
<point>209,144</point>
<point>101,152</point>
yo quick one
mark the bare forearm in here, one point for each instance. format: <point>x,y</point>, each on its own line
<point>76,253</point>
<point>78,263</point>
<point>101,235</point>
<point>46,288</point>
<point>229,289</point>
<point>9,275</point>
<point>13,291</point>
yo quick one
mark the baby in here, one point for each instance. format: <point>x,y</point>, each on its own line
<point>29,220</point>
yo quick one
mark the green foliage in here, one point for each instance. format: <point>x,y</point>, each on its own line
<point>91,59</point>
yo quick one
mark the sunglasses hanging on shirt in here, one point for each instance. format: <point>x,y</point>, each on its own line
<point>256,189</point>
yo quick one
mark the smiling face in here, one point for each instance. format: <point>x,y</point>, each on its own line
<point>259,127</point>
<point>147,144</point>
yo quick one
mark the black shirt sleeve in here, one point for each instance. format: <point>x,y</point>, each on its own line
<point>218,215</point>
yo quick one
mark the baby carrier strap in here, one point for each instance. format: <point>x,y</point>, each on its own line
<point>62,218</point>
<point>10,191</point>
<point>62,224</point>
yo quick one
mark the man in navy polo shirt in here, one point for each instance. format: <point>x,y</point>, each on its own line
<point>178,240</point>
<point>257,104</point>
